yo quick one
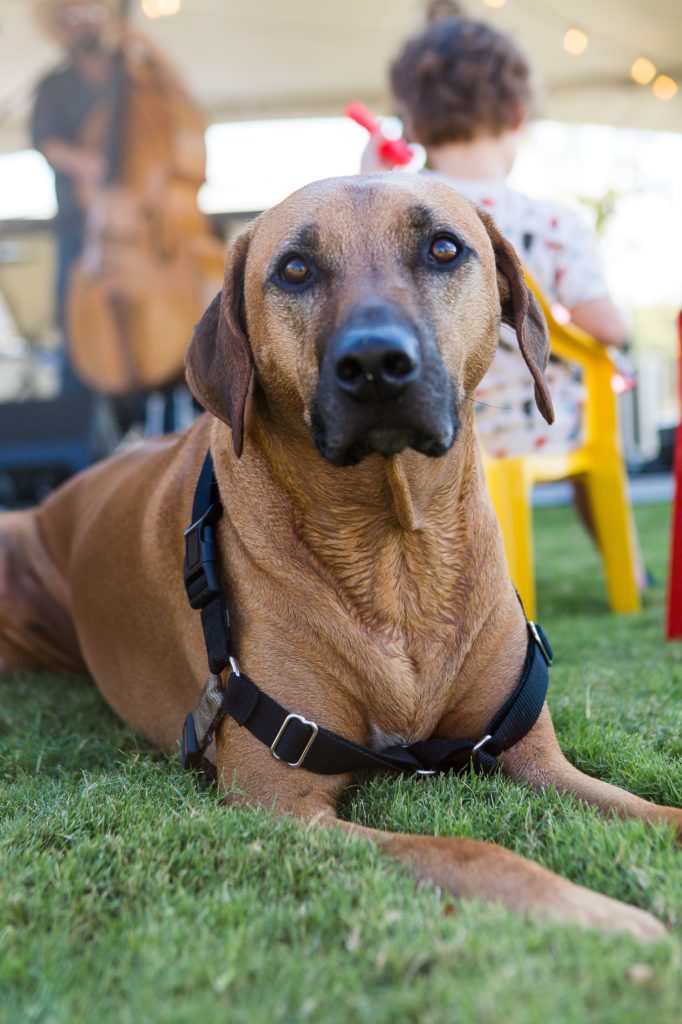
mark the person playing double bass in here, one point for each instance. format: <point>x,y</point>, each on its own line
<point>108,123</point>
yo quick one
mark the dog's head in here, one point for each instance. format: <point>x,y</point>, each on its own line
<point>365,310</point>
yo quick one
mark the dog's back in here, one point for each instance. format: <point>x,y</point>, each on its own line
<point>41,555</point>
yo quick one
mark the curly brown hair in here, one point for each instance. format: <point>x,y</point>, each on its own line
<point>459,79</point>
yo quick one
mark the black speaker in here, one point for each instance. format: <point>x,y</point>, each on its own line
<point>42,443</point>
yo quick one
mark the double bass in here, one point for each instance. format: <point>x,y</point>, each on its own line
<point>150,263</point>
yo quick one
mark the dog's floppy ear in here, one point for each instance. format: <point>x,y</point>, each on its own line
<point>521,311</point>
<point>219,362</point>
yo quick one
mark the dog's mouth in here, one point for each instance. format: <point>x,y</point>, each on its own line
<point>382,442</point>
<point>346,436</point>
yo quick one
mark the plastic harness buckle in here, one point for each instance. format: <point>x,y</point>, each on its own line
<point>201,565</point>
<point>192,753</point>
<point>200,726</point>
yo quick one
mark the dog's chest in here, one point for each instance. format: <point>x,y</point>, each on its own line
<point>407,680</point>
<point>403,616</point>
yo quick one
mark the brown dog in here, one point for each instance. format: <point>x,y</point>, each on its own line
<point>366,577</point>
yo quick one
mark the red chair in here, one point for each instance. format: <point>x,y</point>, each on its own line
<point>674,623</point>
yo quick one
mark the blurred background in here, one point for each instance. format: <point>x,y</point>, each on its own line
<point>272,82</point>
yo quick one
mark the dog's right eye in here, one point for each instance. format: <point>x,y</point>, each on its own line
<point>294,270</point>
<point>444,249</point>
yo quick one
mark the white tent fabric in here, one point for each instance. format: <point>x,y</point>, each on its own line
<point>268,58</point>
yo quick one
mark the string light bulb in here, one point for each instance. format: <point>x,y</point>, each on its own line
<point>160,8</point>
<point>643,71</point>
<point>495,4</point>
<point>664,88</point>
<point>575,41</point>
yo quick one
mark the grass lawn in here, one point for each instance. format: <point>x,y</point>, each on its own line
<point>128,895</point>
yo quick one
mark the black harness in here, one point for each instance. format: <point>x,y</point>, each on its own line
<point>296,740</point>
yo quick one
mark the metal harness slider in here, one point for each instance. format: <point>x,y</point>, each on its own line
<point>282,730</point>
<point>542,642</point>
<point>481,743</point>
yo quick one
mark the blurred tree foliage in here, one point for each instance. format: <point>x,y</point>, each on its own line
<point>602,207</point>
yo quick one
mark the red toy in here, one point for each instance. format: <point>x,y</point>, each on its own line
<point>395,152</point>
<point>674,624</point>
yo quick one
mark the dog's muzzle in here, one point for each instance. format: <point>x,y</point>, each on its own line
<point>381,389</point>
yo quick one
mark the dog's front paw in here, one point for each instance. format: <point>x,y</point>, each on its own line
<point>590,909</point>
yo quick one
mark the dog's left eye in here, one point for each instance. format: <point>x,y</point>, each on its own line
<point>294,270</point>
<point>444,249</point>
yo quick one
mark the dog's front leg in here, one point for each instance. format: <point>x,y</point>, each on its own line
<point>462,867</point>
<point>539,761</point>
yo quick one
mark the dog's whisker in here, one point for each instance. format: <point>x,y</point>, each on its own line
<point>477,401</point>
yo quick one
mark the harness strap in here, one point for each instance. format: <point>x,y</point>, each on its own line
<point>296,740</point>
<point>291,737</point>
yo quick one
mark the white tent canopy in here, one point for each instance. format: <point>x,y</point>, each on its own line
<point>265,58</point>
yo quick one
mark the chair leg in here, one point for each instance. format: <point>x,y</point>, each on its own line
<point>607,493</point>
<point>509,491</point>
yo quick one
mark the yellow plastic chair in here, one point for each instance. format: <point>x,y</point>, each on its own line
<point>598,462</point>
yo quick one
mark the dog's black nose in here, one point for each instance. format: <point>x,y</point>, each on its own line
<point>376,363</point>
